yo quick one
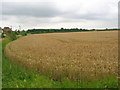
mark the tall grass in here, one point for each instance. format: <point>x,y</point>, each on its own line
<point>11,35</point>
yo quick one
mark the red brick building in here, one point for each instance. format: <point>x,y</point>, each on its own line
<point>6,29</point>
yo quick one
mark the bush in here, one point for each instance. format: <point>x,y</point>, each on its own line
<point>2,35</point>
<point>11,35</point>
<point>23,33</point>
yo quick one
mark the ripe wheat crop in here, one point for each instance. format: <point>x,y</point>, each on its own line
<point>80,55</point>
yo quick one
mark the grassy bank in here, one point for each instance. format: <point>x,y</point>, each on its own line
<point>15,76</point>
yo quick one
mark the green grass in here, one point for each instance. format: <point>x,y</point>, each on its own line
<point>15,76</point>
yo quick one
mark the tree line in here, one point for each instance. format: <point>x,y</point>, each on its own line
<point>37,31</point>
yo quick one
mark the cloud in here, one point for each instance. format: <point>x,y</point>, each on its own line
<point>35,9</point>
<point>59,13</point>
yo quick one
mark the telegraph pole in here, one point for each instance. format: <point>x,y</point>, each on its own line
<point>19,27</point>
<point>11,27</point>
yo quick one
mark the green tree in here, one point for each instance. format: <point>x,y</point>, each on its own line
<point>23,33</point>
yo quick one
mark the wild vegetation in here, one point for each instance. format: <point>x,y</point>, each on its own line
<point>23,33</point>
<point>76,56</point>
<point>12,35</point>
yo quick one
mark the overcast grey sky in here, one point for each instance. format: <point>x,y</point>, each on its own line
<point>59,13</point>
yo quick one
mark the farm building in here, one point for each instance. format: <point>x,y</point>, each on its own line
<point>6,29</point>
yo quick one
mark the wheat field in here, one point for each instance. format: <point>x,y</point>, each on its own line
<point>76,55</point>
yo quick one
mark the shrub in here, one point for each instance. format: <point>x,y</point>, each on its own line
<point>11,35</point>
<point>2,35</point>
<point>23,33</point>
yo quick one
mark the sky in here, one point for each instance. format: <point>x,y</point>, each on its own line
<point>88,14</point>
